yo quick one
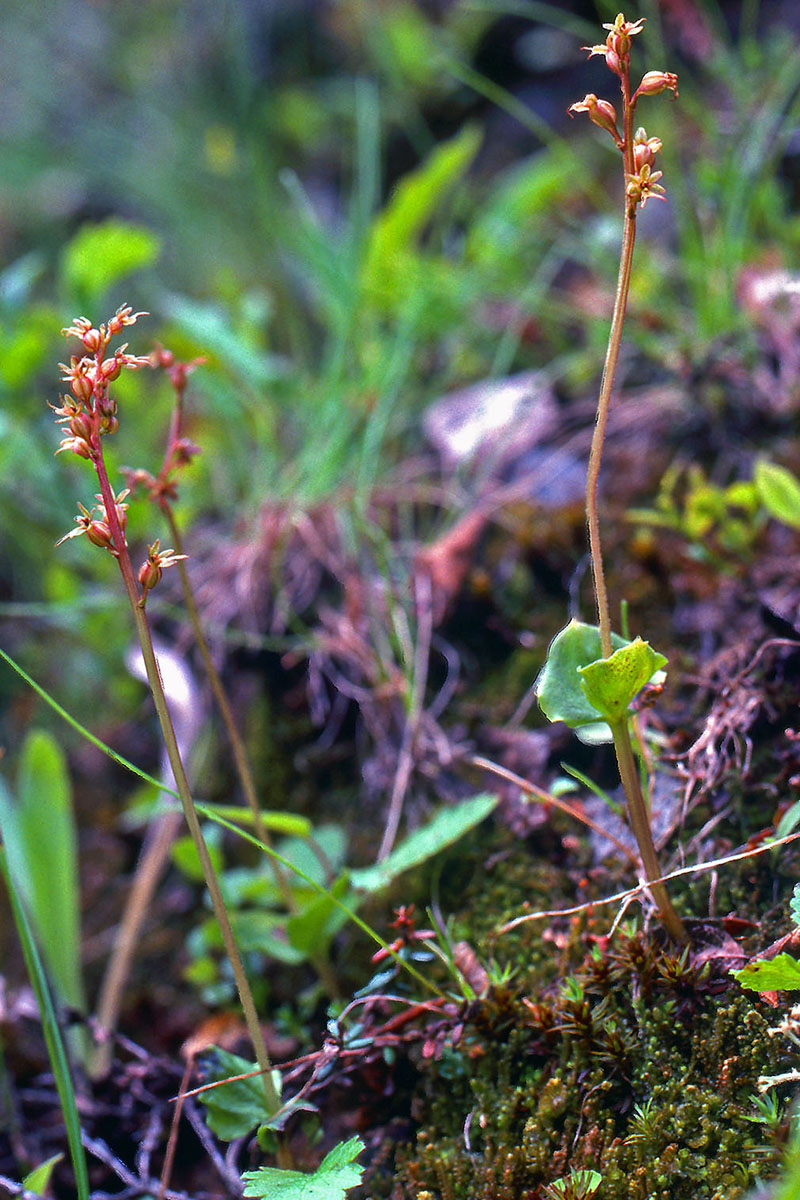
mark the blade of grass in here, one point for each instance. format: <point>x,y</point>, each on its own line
<point>81,729</point>
<point>52,1033</point>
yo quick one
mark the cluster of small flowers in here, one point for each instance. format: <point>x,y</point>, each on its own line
<point>642,181</point>
<point>89,413</point>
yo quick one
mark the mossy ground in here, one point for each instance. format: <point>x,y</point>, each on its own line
<point>616,1054</point>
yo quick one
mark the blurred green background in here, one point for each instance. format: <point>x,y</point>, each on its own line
<point>349,208</point>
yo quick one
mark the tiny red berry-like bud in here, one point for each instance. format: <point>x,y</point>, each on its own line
<point>655,82</point>
<point>81,426</point>
<point>112,368</point>
<point>149,574</point>
<point>99,534</point>
<point>92,340</point>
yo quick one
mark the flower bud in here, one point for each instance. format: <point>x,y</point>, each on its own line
<point>644,149</point>
<point>82,387</point>
<point>655,82</point>
<point>92,340</point>
<point>81,426</point>
<point>601,112</point>
<point>111,368</point>
<point>149,574</point>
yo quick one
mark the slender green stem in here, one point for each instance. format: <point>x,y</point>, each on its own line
<point>271,1094</point>
<point>640,824</point>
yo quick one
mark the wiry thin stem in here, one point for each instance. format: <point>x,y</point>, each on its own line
<point>271,1094</point>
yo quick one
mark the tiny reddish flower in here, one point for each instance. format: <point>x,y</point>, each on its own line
<point>601,112</point>
<point>644,185</point>
<point>621,32</point>
<point>94,524</point>
<point>153,566</point>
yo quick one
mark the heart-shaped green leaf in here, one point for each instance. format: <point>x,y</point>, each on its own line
<point>611,683</point>
<point>558,688</point>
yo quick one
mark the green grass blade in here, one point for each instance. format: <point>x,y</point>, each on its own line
<point>52,1033</point>
<point>81,729</point>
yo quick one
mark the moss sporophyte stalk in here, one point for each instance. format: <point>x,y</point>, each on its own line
<point>591,675</point>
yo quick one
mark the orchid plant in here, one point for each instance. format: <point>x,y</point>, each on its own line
<point>591,674</point>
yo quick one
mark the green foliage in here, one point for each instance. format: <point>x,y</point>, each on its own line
<point>50,1027</point>
<point>321,905</point>
<point>238,1106</point>
<point>579,687</point>
<point>394,268</point>
<point>334,1177</point>
<point>38,1180</point>
<point>99,256</point>
<point>779,492</point>
<point>612,683</point>
<point>578,1185</point>
<point>781,973</point>
<point>442,831</point>
<point>721,524</point>
<point>39,835</point>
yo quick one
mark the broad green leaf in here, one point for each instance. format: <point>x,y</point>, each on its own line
<point>611,683</point>
<point>558,688</point>
<point>41,843</point>
<point>236,1108</point>
<point>100,255</point>
<point>38,1180</point>
<point>779,490</point>
<point>447,827</point>
<point>781,973</point>
<point>334,1177</point>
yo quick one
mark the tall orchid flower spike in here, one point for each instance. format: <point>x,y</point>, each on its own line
<point>604,681</point>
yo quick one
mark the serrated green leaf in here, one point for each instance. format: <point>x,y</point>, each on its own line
<point>781,973</point>
<point>558,688</point>
<point>779,490</point>
<point>334,1177</point>
<point>100,255</point>
<point>447,827</point>
<point>239,1106</point>
<point>610,684</point>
